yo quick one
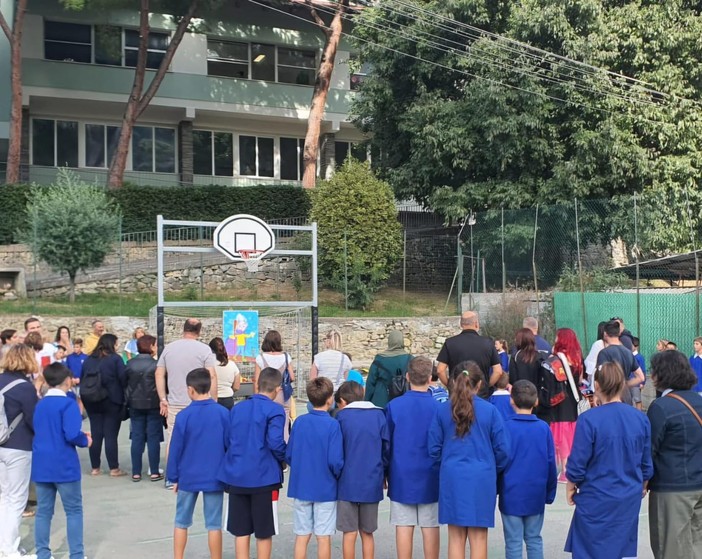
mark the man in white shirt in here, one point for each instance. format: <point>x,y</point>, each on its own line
<point>46,355</point>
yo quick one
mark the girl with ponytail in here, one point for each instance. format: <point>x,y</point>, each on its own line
<point>468,440</point>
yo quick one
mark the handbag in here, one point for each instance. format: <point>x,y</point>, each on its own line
<point>687,405</point>
<point>583,403</point>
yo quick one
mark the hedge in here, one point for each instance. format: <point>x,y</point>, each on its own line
<point>141,204</point>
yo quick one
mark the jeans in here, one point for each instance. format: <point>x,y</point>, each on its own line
<point>72,501</point>
<point>105,421</point>
<point>147,429</point>
<point>15,468</point>
<point>526,528</point>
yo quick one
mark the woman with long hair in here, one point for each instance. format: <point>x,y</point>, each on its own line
<point>591,359</point>
<point>19,364</point>
<point>608,472</point>
<point>272,355</point>
<point>467,437</point>
<point>104,404</point>
<point>131,348</point>
<point>228,376</point>
<point>564,415</point>
<point>332,362</point>
<point>63,338</point>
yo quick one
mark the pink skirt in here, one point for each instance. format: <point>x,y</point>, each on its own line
<point>563,433</point>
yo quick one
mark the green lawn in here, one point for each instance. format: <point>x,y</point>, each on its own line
<point>389,302</point>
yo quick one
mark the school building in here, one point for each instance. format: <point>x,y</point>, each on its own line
<point>231,110</point>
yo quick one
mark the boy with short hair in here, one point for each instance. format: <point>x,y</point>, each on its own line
<point>366,450</point>
<point>198,445</point>
<point>529,482</point>
<point>413,476</point>
<point>696,364</point>
<point>75,360</point>
<point>636,390</point>
<point>57,433</point>
<point>500,398</point>
<point>315,453</point>
<point>253,466</point>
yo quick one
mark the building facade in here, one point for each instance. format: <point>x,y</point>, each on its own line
<point>232,108</point>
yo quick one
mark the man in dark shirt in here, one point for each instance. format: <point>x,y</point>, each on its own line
<point>470,346</point>
<point>626,337</point>
<point>542,345</point>
<point>615,352</point>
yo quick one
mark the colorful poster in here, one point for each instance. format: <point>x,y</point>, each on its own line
<point>240,333</point>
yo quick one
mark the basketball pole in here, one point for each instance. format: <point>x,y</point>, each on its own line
<point>160,314</point>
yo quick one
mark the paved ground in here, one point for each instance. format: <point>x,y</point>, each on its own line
<point>126,520</point>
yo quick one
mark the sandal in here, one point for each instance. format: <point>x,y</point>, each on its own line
<point>95,472</point>
<point>135,479</point>
<point>156,477</point>
<point>28,513</point>
<point>117,473</point>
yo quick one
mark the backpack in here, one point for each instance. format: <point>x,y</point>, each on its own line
<point>553,382</point>
<point>286,383</point>
<point>6,429</point>
<point>398,381</point>
<point>91,387</point>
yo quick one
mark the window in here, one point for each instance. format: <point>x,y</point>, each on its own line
<point>296,66</point>
<point>100,144</point>
<point>157,45</point>
<point>256,156</point>
<point>153,149</point>
<point>342,150</point>
<point>263,62</point>
<point>70,42</point>
<point>54,143</point>
<point>230,60</point>
<point>291,153</point>
<point>213,150</point>
<point>108,45</point>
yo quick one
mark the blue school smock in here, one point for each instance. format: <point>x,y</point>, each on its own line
<point>501,400</point>
<point>696,364</point>
<point>504,360</point>
<point>57,433</point>
<point>315,453</point>
<point>199,441</point>
<point>529,482</point>
<point>413,475</point>
<point>609,462</point>
<point>256,449</point>
<point>469,465</point>
<point>366,445</point>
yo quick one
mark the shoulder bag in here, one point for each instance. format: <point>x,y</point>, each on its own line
<point>687,405</point>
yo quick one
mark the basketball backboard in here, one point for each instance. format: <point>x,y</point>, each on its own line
<point>242,235</point>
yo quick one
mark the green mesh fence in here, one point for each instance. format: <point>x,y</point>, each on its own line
<point>670,316</point>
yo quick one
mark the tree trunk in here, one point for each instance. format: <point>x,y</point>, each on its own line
<point>72,287</point>
<point>319,96</point>
<point>138,99</point>
<point>14,36</point>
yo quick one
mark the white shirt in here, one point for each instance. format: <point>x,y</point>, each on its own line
<point>226,375</point>
<point>334,365</point>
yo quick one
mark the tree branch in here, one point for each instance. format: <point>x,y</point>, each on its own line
<point>167,57</point>
<point>5,27</point>
<point>317,18</point>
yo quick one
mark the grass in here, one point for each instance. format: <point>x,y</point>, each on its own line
<point>388,303</point>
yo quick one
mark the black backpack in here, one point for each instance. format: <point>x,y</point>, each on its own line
<point>398,380</point>
<point>91,387</point>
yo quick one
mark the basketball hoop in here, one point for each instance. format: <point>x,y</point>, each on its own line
<point>251,258</point>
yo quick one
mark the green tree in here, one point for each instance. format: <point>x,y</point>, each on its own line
<point>359,233</point>
<point>71,226</point>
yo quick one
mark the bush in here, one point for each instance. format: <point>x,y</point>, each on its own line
<point>141,204</point>
<point>358,231</point>
<point>594,279</point>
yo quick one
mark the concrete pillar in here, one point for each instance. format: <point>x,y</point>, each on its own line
<point>24,149</point>
<point>185,151</point>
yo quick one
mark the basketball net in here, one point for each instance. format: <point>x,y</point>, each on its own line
<point>251,259</point>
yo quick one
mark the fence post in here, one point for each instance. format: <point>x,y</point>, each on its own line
<point>533,261</point>
<point>580,274</point>
<point>404,264</point>
<point>638,277</point>
<point>504,267</point>
<point>697,264</point>
<point>459,276</point>
<point>121,279</point>
<point>346,273</point>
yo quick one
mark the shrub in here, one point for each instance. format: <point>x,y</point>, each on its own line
<point>359,234</point>
<point>13,200</point>
<point>594,279</point>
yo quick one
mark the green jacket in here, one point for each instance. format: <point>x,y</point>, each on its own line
<point>380,375</point>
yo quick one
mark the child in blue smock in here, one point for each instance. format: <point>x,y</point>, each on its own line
<point>198,444</point>
<point>471,451</point>
<point>253,466</point>
<point>608,472</point>
<point>366,443</point>
<point>315,453</point>
<point>55,463</point>
<point>529,482</point>
<point>501,398</point>
<point>413,476</point>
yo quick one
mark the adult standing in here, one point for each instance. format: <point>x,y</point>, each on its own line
<point>102,392</point>
<point>608,470</point>
<point>45,355</point>
<point>675,502</point>
<point>626,337</point>
<point>144,413</point>
<point>595,348</point>
<point>131,346</point>
<point>16,453</point>
<point>228,376</point>
<point>526,364</point>
<point>8,338</point>
<point>176,361</point>
<point>532,324</point>
<point>469,345</point>
<point>386,366</point>
<point>331,362</point>
<point>272,355</point>
<point>63,338</point>
<point>615,352</point>
<point>91,340</point>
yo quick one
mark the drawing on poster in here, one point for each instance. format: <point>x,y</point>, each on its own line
<point>240,333</point>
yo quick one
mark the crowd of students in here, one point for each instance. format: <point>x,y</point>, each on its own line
<point>445,457</point>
